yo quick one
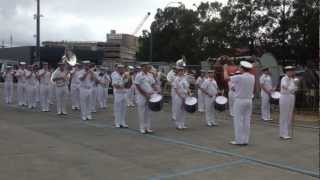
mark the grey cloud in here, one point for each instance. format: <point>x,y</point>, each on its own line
<point>73,19</point>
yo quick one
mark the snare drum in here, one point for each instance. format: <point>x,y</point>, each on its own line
<point>155,102</point>
<point>275,96</point>
<point>190,104</point>
<point>220,103</point>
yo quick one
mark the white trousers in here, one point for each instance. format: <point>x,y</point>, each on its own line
<point>8,92</point>
<point>102,94</point>
<point>144,115</point>
<point>287,102</point>
<point>31,95</point>
<point>209,110</point>
<point>265,106</point>
<point>37,92</point>
<point>120,108</point>
<point>93,99</point>
<point>130,96</point>
<point>241,120</point>
<point>44,97</point>
<point>52,92</point>
<point>173,104</point>
<point>201,101</point>
<point>61,96</point>
<point>22,94</point>
<point>85,106</point>
<point>75,96</point>
<point>179,112</point>
<point>231,102</point>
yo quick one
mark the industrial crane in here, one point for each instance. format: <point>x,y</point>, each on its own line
<point>141,24</point>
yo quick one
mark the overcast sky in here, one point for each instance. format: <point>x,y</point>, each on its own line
<point>76,20</point>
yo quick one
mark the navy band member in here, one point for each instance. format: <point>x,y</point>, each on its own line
<point>120,103</point>
<point>244,87</point>
<point>266,90</point>
<point>287,101</point>
<point>210,89</point>
<point>145,84</point>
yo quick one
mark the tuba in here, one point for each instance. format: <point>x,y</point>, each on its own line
<point>68,58</point>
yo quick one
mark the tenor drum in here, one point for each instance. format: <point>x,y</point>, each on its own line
<point>220,103</point>
<point>155,102</point>
<point>190,104</point>
<point>275,97</point>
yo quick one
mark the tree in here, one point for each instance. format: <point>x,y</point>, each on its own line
<point>287,28</point>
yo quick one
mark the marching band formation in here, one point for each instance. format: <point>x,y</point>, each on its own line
<point>140,86</point>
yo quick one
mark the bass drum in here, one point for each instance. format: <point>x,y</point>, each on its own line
<point>190,104</point>
<point>275,97</point>
<point>220,103</point>
<point>155,102</point>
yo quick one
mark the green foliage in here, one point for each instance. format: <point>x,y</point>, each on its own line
<point>287,28</point>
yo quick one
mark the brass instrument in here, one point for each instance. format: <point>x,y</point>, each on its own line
<point>127,80</point>
<point>69,58</point>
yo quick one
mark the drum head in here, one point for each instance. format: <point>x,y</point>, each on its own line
<point>275,95</point>
<point>191,101</point>
<point>221,100</point>
<point>155,98</point>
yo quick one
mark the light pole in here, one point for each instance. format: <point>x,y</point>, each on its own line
<point>151,31</point>
<point>38,33</point>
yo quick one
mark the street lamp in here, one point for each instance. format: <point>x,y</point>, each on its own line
<point>37,17</point>
<point>151,32</point>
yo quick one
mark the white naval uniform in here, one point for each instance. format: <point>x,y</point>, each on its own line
<point>93,97</point>
<point>86,87</point>
<point>201,95</point>
<point>61,91</point>
<point>287,102</point>
<point>231,97</point>
<point>102,91</point>
<point>120,104</point>
<point>37,87</point>
<point>130,93</point>
<point>265,81</point>
<point>45,76</point>
<point>244,86</point>
<point>75,90</point>
<point>145,81</point>
<point>180,85</point>
<point>21,87</point>
<point>31,86</point>
<point>210,86</point>
<point>8,86</point>
<point>171,77</point>
<point>52,91</point>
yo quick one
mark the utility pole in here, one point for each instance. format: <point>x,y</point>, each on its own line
<point>38,33</point>
<point>11,40</point>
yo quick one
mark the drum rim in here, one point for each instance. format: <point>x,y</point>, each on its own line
<point>222,98</point>
<point>156,96</point>
<point>275,93</point>
<point>191,98</point>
